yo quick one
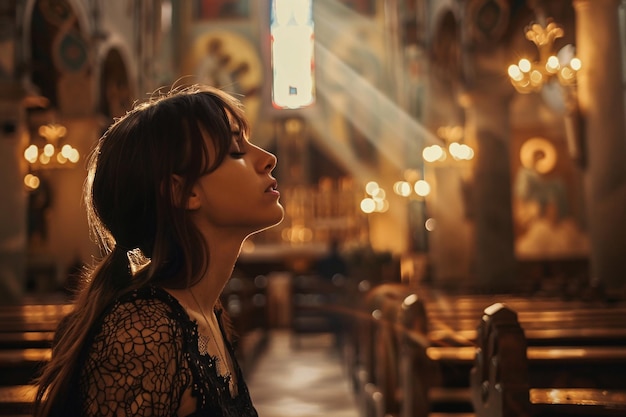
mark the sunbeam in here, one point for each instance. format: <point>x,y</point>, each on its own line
<point>369,109</point>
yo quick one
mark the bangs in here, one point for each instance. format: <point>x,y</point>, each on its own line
<point>218,113</point>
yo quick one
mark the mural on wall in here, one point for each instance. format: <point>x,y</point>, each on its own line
<point>221,9</point>
<point>116,96</point>
<point>229,61</point>
<point>367,7</point>
<point>61,65</point>
<point>545,204</point>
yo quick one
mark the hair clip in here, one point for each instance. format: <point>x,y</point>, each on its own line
<point>137,261</point>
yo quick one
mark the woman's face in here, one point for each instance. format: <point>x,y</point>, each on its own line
<point>240,195</point>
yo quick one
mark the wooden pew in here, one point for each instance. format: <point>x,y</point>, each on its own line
<point>500,382</point>
<point>435,377</point>
<point>546,321</point>
<point>20,366</point>
<point>30,325</point>
<point>17,401</point>
<point>376,343</point>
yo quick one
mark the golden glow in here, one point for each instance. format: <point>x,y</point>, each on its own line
<point>433,153</point>
<point>409,300</point>
<point>524,65</point>
<point>32,181</point>
<point>368,205</point>
<point>461,151</point>
<point>371,187</point>
<point>382,206</point>
<point>402,188</point>
<point>297,234</point>
<point>31,154</point>
<point>379,195</point>
<point>430,224</point>
<point>529,76</point>
<point>567,73</point>
<point>552,66</point>
<point>377,200</point>
<point>422,188</point>
<point>48,150</point>
<point>515,73</point>
<point>52,132</point>
<point>536,77</point>
<point>50,155</point>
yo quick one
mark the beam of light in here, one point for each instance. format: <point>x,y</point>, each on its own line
<point>337,21</point>
<point>333,17</point>
<point>371,110</point>
<point>344,154</point>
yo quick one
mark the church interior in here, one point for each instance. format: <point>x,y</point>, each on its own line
<point>453,175</point>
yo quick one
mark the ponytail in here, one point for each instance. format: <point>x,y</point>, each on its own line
<point>111,278</point>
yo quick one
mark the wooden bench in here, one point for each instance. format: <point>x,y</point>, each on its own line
<point>30,325</point>
<point>500,382</point>
<point>429,376</point>
<point>20,366</point>
<point>17,401</point>
<point>547,321</point>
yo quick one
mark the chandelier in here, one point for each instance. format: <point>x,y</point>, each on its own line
<point>452,137</point>
<point>52,154</point>
<point>528,76</point>
<point>47,152</point>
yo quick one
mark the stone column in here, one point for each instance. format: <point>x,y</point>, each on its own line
<point>13,201</point>
<point>487,130</point>
<point>601,102</point>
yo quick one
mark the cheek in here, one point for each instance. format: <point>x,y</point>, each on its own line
<point>227,201</point>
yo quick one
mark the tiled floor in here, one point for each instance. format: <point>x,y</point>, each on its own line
<point>302,380</point>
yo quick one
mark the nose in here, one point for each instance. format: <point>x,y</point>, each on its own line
<point>267,160</point>
<point>271,163</point>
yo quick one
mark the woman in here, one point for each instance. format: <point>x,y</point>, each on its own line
<point>174,188</point>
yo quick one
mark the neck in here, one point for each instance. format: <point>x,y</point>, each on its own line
<point>223,256</point>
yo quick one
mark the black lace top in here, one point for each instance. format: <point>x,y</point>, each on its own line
<point>144,355</point>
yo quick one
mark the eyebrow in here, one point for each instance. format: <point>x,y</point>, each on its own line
<point>239,133</point>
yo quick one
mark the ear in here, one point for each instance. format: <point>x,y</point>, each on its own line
<point>192,202</point>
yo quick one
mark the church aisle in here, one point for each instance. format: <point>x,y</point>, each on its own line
<point>307,380</point>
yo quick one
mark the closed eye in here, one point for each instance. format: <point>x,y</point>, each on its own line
<point>237,149</point>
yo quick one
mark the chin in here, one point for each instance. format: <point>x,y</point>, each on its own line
<point>274,221</point>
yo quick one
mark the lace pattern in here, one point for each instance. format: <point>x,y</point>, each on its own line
<point>143,357</point>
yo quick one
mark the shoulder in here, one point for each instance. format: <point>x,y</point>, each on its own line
<point>137,358</point>
<point>153,299</point>
<point>143,311</point>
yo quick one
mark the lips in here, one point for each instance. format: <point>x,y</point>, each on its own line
<point>272,187</point>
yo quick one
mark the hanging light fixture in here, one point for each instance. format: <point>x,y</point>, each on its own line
<point>452,136</point>
<point>528,76</point>
<point>53,154</point>
<point>48,151</point>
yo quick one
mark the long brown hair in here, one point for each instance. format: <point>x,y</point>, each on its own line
<point>134,202</point>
